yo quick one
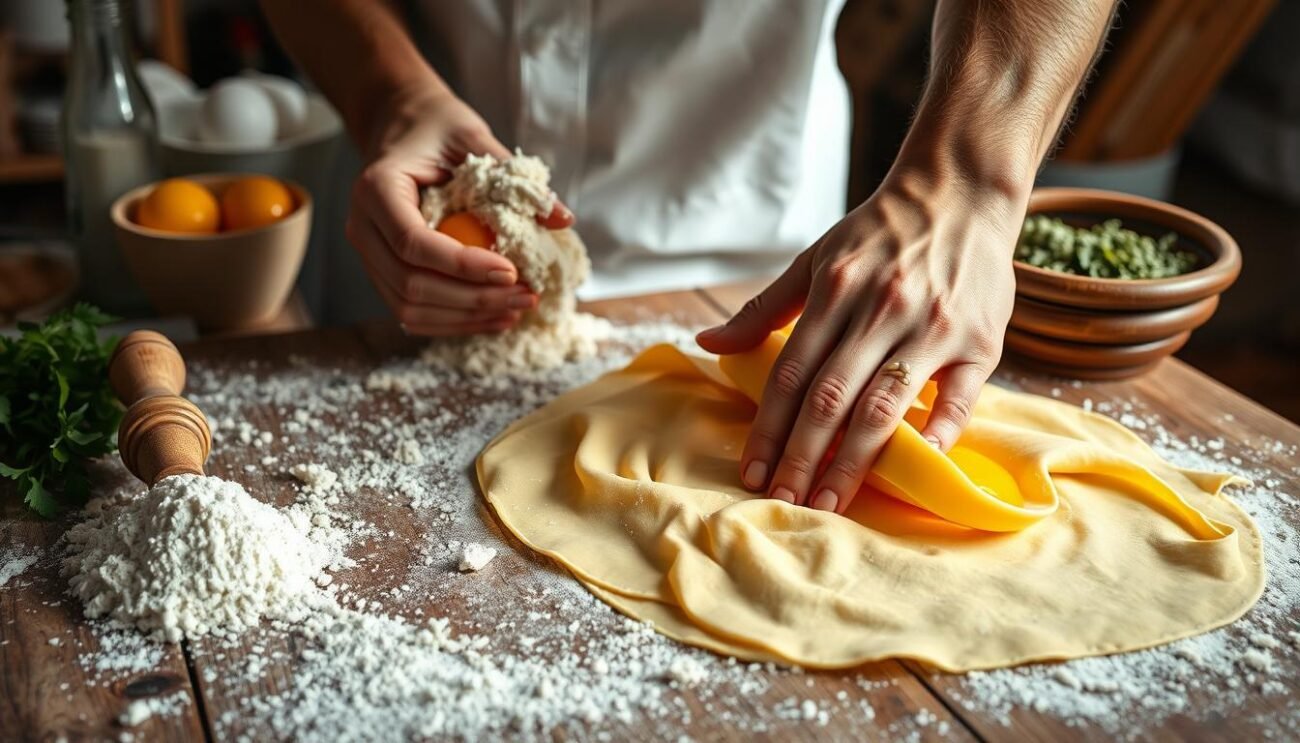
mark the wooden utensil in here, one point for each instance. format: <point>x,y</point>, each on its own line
<point>162,433</point>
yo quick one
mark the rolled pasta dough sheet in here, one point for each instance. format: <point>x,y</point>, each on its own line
<point>631,483</point>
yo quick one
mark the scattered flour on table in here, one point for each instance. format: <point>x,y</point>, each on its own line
<point>140,710</point>
<point>508,197</point>
<point>475,557</point>
<point>392,644</point>
<point>14,564</point>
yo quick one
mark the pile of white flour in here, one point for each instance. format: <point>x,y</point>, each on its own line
<point>508,197</point>
<point>192,556</point>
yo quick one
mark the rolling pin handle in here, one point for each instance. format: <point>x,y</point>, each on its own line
<point>145,364</point>
<point>162,434</point>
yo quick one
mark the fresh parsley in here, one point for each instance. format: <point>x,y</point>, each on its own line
<point>56,407</point>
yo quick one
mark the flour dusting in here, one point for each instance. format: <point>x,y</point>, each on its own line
<point>390,641</point>
<point>14,564</point>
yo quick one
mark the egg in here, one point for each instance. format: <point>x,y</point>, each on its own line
<point>467,229</point>
<point>253,202</point>
<point>164,84</point>
<point>237,113</point>
<point>179,205</point>
<point>289,100</point>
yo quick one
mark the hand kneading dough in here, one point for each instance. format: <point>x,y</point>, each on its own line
<point>1049,533</point>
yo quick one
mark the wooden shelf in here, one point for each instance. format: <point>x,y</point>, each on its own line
<point>31,169</point>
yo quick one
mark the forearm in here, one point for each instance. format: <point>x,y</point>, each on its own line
<point>1003,76</point>
<point>358,53</point>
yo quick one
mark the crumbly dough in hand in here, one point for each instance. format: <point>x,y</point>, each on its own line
<point>508,197</point>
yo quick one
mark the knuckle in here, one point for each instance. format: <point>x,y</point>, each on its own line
<point>797,464</point>
<point>370,177</point>
<point>879,408</point>
<point>838,276</point>
<point>956,410</point>
<point>411,288</point>
<point>408,313</point>
<point>941,319</point>
<point>761,443</point>
<point>751,308</point>
<point>827,400</point>
<point>407,246</point>
<point>787,378</point>
<point>845,470</point>
<point>485,301</point>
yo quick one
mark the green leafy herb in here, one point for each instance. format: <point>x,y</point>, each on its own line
<point>56,407</point>
<point>1106,250</point>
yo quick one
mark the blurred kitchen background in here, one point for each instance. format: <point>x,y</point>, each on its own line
<point>1196,102</point>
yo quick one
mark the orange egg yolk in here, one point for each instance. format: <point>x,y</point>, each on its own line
<point>179,205</point>
<point>467,229</point>
<point>253,202</point>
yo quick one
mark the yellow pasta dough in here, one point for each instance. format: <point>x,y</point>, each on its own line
<point>1048,533</point>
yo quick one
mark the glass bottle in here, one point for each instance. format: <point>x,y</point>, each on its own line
<point>110,145</point>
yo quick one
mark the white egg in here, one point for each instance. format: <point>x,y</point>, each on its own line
<point>164,83</point>
<point>237,113</point>
<point>290,102</point>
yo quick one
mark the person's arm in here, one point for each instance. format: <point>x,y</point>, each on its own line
<point>410,128</point>
<point>916,283</point>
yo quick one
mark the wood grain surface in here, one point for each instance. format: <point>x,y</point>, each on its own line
<point>35,704</point>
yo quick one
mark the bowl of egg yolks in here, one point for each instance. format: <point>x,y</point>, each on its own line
<point>224,249</point>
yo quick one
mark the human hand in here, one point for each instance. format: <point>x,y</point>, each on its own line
<point>919,274</point>
<point>434,285</point>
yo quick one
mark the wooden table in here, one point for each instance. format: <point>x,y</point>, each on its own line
<point>42,689</point>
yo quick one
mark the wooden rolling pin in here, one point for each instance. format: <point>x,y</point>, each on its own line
<point>162,433</point>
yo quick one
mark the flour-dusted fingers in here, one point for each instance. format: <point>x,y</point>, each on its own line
<point>826,408</point>
<point>812,341</point>
<point>390,198</point>
<point>876,416</point>
<point>769,310</point>
<point>418,287</point>
<point>959,388</point>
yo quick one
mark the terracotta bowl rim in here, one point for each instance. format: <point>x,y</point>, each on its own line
<point>127,201</point>
<point>1209,279</point>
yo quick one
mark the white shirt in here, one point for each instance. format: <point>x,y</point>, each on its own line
<point>698,141</point>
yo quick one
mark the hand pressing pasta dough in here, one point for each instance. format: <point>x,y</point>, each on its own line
<point>916,282</point>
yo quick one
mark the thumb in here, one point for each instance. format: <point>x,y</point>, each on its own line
<point>772,309</point>
<point>487,144</point>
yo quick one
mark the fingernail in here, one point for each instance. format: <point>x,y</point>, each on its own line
<point>756,474</point>
<point>826,501</point>
<point>933,441</point>
<point>783,493</point>
<point>501,276</point>
<point>710,332</point>
<point>520,301</point>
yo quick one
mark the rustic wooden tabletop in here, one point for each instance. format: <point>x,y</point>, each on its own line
<point>46,693</point>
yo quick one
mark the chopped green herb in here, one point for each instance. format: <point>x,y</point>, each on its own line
<point>1106,250</point>
<point>56,407</point>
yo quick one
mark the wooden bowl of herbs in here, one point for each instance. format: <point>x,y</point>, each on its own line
<point>1109,284</point>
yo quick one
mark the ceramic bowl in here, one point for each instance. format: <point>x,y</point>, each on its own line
<point>226,280</point>
<point>1079,326</point>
